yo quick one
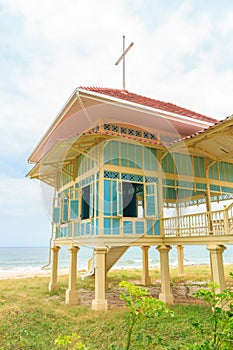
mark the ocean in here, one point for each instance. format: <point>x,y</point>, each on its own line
<point>32,259</point>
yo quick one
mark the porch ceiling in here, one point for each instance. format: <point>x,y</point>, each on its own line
<point>216,142</point>
<point>62,154</point>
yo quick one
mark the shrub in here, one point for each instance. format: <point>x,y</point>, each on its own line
<point>141,307</point>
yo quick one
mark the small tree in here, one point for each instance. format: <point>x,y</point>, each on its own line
<point>219,334</point>
<point>141,306</point>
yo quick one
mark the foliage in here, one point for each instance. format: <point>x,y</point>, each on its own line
<point>218,332</point>
<point>70,342</point>
<point>141,307</point>
<point>32,318</point>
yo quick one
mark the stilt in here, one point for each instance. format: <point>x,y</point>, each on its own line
<point>216,263</point>
<point>100,303</point>
<point>165,294</point>
<point>53,281</point>
<point>106,274</point>
<point>145,266</point>
<point>71,292</point>
<point>180,258</point>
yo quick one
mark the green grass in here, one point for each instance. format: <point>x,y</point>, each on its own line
<point>32,318</point>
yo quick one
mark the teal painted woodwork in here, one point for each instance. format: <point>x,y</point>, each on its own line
<point>146,158</point>
<point>74,209</point>
<point>127,227</point>
<point>107,226</point>
<point>83,228</point>
<point>151,200</point>
<point>115,226</point>
<point>227,189</point>
<point>95,227</point>
<point>115,152</point>
<point>77,231</point>
<point>111,226</point>
<point>124,156</point>
<point>157,228</point>
<point>88,228</point>
<point>65,210</point>
<point>69,230</point>
<point>139,227</point>
<point>56,215</point>
<point>149,227</point>
<point>130,155</point>
<point>221,171</point>
<point>153,227</point>
<point>111,200</point>
<point>139,161</point>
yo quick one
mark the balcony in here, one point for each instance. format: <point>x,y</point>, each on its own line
<point>219,222</point>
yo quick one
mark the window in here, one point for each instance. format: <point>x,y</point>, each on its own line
<point>151,194</point>
<point>73,208</point>
<point>56,211</point>
<point>133,203</point>
<point>65,209</point>
<point>86,197</point>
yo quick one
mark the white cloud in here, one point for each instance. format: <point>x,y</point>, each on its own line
<point>25,210</point>
<point>20,197</point>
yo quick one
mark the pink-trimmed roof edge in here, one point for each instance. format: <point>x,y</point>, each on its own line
<point>149,102</point>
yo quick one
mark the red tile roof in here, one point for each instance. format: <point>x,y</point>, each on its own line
<point>146,101</point>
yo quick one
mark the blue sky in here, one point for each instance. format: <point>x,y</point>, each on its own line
<point>183,53</point>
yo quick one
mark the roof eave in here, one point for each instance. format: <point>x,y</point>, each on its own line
<point>165,114</point>
<point>69,103</point>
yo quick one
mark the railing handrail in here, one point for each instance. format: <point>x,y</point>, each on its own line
<point>193,214</point>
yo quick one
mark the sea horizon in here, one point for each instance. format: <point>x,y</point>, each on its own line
<point>34,258</point>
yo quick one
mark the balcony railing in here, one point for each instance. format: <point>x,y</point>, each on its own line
<point>217,222</point>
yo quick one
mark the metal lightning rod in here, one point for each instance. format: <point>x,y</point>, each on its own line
<point>122,57</point>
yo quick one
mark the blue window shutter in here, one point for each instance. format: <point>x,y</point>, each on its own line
<point>65,210</point>
<point>107,198</point>
<point>150,206</point>
<point>119,199</point>
<point>73,208</point>
<point>56,215</point>
<point>151,200</point>
<point>91,200</point>
<point>114,198</point>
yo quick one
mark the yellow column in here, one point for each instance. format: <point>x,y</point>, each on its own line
<point>145,266</point>
<point>53,281</point>
<point>160,192</point>
<point>180,258</point>
<point>165,294</point>
<point>100,303</point>
<point>216,263</point>
<point>208,198</point>
<point>71,292</point>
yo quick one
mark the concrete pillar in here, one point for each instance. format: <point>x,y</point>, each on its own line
<point>54,269</point>
<point>72,293</point>
<point>180,258</point>
<point>106,274</point>
<point>216,264</point>
<point>165,294</point>
<point>100,303</point>
<point>146,281</point>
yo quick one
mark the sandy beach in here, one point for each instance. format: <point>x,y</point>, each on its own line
<point>14,274</point>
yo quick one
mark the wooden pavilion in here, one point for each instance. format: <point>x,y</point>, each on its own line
<point>133,171</point>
